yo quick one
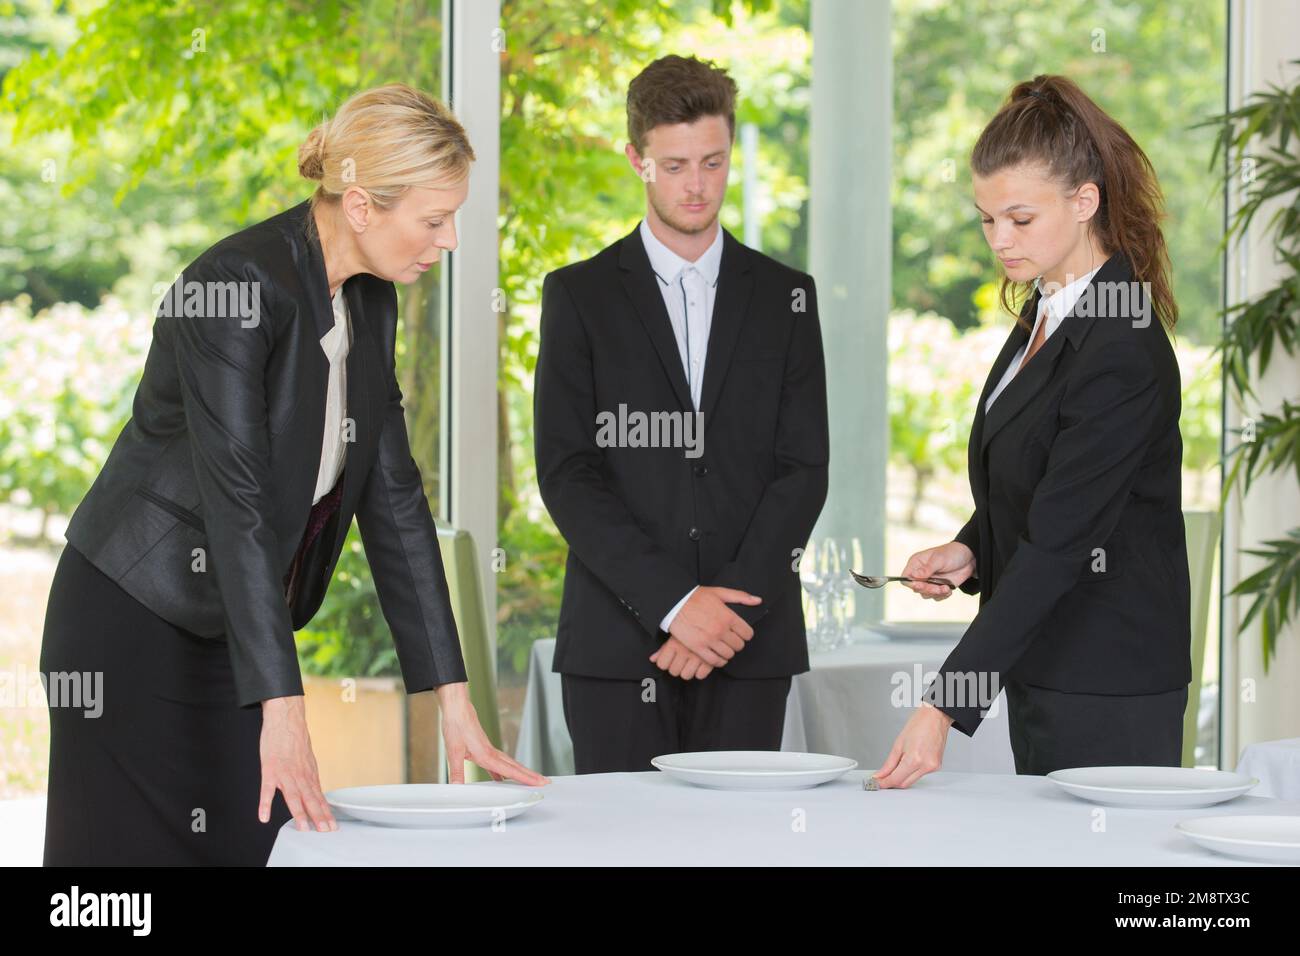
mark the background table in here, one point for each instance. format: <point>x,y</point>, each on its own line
<point>650,819</point>
<point>845,705</point>
<point>1277,765</point>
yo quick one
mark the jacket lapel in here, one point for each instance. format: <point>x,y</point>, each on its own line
<point>735,285</point>
<point>362,398</point>
<point>1029,381</point>
<point>318,286</point>
<point>641,286</point>
<point>363,369</point>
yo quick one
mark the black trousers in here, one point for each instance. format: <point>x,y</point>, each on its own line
<point>619,725</point>
<point>168,771</point>
<point>1054,730</point>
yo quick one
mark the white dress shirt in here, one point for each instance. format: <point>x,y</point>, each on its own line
<point>689,290</point>
<point>1056,307</point>
<point>336,343</point>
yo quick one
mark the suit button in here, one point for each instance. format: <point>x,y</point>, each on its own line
<point>701,470</point>
<point>693,534</point>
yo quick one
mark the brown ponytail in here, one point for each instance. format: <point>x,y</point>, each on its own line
<point>1049,120</point>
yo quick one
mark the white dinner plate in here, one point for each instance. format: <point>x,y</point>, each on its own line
<point>1156,787</point>
<point>433,804</point>
<point>754,769</point>
<point>1272,839</point>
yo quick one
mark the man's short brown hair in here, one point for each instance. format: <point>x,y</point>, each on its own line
<point>675,89</point>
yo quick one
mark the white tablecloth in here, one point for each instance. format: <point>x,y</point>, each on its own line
<point>847,704</point>
<point>1277,765</point>
<point>650,819</point>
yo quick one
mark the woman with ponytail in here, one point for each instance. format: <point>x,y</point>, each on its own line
<point>268,415</point>
<point>1076,546</point>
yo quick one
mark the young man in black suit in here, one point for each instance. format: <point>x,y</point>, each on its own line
<point>682,447</point>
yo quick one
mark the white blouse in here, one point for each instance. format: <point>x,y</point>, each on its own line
<point>1056,306</point>
<point>336,343</point>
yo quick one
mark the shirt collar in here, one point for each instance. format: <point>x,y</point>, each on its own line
<point>1062,301</point>
<point>668,265</point>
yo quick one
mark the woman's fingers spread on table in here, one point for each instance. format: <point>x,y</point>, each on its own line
<point>495,760</point>
<point>318,808</point>
<point>265,798</point>
<point>897,776</point>
<point>916,775</point>
<point>911,768</point>
<point>293,800</point>
<point>895,754</point>
<point>904,763</point>
<point>456,766</point>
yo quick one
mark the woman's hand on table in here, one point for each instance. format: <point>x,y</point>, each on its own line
<point>288,765</point>
<point>953,561</point>
<point>918,750</point>
<point>466,740</point>
<point>679,660</point>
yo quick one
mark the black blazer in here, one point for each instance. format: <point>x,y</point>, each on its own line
<point>644,524</point>
<point>1081,556</point>
<point>204,498</point>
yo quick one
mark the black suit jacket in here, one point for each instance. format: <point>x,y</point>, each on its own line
<point>1081,555</point>
<point>204,498</point>
<point>644,524</point>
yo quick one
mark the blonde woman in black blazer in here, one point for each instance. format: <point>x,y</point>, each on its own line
<point>214,527</point>
<point>1076,546</point>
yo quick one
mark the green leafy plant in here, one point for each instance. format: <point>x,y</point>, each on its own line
<point>1258,142</point>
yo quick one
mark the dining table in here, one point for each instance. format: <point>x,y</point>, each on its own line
<point>652,819</point>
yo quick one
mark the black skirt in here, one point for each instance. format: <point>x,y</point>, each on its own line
<point>152,762</point>
<point>1057,730</point>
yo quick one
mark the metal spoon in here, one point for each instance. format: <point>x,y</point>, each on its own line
<point>869,581</point>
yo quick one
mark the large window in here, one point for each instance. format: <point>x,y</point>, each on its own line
<point>1158,68</point>
<point>567,192</point>
<point>133,136</point>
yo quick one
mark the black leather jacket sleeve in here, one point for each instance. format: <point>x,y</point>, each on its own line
<point>401,542</point>
<point>221,364</point>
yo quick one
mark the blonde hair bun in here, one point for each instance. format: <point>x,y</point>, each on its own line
<point>386,140</point>
<point>311,155</point>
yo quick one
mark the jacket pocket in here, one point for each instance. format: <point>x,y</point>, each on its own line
<point>172,508</point>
